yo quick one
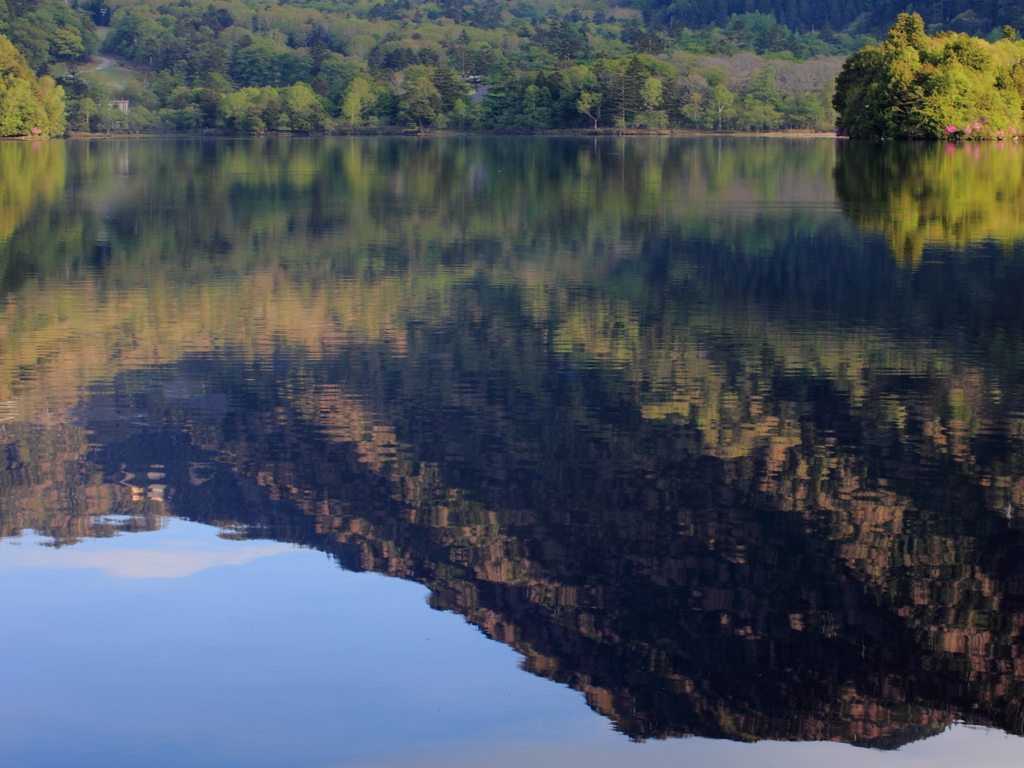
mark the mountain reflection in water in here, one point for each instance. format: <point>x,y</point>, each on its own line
<point>655,413</point>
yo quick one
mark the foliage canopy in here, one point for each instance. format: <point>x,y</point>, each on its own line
<point>28,105</point>
<point>918,86</point>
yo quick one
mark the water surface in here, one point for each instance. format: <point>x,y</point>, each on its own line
<point>716,438</point>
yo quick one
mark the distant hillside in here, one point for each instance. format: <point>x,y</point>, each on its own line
<point>521,65</point>
<point>977,17</point>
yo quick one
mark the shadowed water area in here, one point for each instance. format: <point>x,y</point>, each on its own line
<point>725,435</point>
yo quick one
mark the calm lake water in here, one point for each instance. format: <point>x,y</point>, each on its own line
<point>657,438</point>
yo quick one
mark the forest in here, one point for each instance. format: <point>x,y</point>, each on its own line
<point>521,66</point>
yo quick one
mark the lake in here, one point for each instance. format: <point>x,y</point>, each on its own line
<point>374,452</point>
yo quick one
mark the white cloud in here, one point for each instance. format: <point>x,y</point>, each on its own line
<point>162,560</point>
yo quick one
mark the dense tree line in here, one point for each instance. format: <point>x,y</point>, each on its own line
<point>976,17</point>
<point>48,32</point>
<point>521,65</point>
<point>559,79</point>
<point>407,65</point>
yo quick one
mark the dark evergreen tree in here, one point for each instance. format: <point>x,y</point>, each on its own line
<point>448,86</point>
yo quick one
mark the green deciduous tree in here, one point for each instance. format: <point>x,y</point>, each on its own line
<point>589,104</point>
<point>359,97</point>
<point>304,110</point>
<point>720,106</point>
<point>420,104</point>
<point>759,107</point>
<point>916,86</point>
<point>28,105</point>
<point>67,44</point>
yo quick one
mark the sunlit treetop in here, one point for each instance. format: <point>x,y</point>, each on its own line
<point>29,106</point>
<point>950,85</point>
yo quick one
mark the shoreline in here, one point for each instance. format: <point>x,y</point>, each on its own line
<point>585,134</point>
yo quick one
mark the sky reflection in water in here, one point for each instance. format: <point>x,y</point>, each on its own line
<point>272,656</point>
